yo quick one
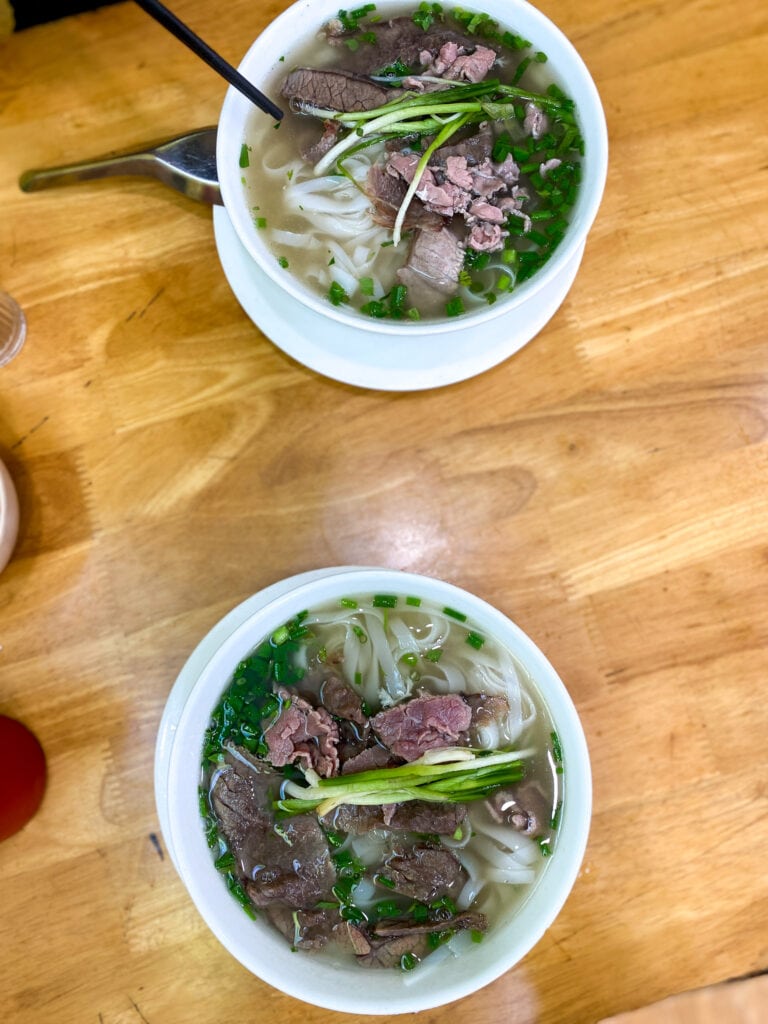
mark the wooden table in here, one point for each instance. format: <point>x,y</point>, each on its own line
<point>606,487</point>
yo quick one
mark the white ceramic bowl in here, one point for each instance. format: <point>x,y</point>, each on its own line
<point>254,943</point>
<point>262,65</point>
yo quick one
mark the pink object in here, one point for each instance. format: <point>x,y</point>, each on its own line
<point>9,516</point>
<point>13,328</point>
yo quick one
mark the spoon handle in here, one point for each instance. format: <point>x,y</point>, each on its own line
<point>86,170</point>
<point>186,163</point>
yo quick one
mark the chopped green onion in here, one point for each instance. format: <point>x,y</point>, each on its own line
<point>280,636</point>
<point>386,908</point>
<point>454,306</point>
<point>384,601</point>
<point>454,614</point>
<point>245,160</point>
<point>225,861</point>
<point>420,913</point>
<point>414,602</point>
<point>336,294</point>
<point>475,640</point>
<point>555,822</point>
<point>335,839</point>
<point>375,309</point>
<point>350,912</point>
<point>408,961</point>
<point>557,750</point>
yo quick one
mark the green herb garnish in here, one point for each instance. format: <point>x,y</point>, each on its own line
<point>446,776</point>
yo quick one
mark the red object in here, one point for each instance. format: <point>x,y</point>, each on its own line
<point>22,776</point>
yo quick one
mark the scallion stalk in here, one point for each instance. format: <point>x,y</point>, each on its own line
<point>469,775</point>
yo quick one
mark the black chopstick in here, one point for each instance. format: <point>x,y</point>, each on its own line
<point>169,20</point>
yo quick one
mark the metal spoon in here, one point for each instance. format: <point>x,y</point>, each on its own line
<point>185,162</point>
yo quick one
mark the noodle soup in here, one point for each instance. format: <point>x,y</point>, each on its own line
<point>427,167</point>
<point>382,782</point>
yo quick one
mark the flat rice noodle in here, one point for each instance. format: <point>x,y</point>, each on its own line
<point>516,876</point>
<point>395,686</point>
<point>294,239</point>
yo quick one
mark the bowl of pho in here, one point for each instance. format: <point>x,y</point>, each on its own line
<point>436,167</point>
<point>375,788</point>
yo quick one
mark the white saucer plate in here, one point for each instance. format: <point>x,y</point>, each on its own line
<point>394,362</point>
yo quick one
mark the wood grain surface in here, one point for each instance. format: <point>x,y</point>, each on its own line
<point>605,487</point>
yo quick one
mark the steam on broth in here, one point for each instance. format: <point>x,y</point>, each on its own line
<point>381,780</point>
<point>427,166</point>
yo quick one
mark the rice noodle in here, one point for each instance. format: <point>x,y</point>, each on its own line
<point>493,854</point>
<point>460,943</point>
<point>522,849</point>
<point>472,889</point>
<point>511,876</point>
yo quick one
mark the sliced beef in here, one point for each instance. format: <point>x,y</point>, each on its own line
<point>486,180</point>
<point>390,952</point>
<point>295,866</point>
<point>241,797</point>
<point>400,39</point>
<point>326,142</point>
<point>525,807</point>
<point>425,873</point>
<point>425,723</point>
<point>438,194</point>
<point>434,262</point>
<point>480,210</point>
<point>368,759</point>
<point>413,816</point>
<point>341,700</point>
<point>305,734</point>
<point>441,196</point>
<point>288,861</point>
<point>457,171</point>
<point>484,237</point>
<point>472,67</point>
<point>357,820</point>
<point>474,149</point>
<point>486,708</point>
<point>350,937</point>
<point>466,919</point>
<point>313,929</point>
<point>426,817</point>
<point>304,929</point>
<point>508,170</point>
<point>353,740</point>
<point>536,122</point>
<point>387,194</point>
<point>334,90</point>
<point>548,165</point>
